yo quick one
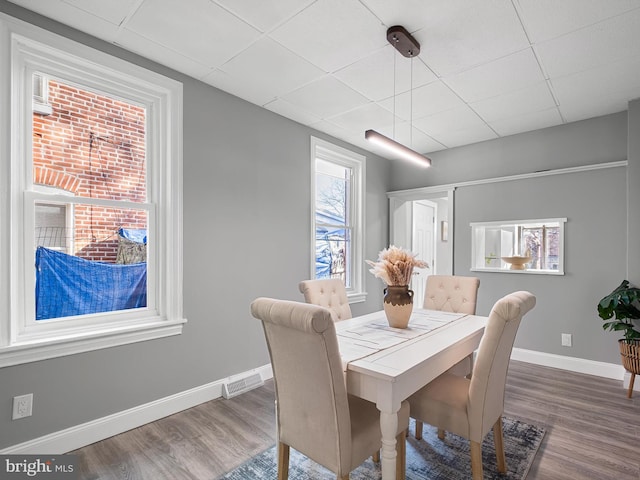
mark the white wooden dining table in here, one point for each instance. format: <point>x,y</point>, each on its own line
<point>386,365</point>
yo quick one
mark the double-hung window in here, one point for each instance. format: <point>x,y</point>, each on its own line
<point>91,229</point>
<point>337,216</point>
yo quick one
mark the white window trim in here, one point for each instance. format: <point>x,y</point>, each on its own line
<point>30,47</point>
<point>335,154</point>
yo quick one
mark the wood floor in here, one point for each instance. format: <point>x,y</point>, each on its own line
<point>593,432</point>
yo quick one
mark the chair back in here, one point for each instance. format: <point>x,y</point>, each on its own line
<point>451,293</point>
<point>329,293</point>
<point>486,390</point>
<point>312,406</point>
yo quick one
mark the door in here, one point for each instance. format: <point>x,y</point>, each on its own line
<point>424,214</point>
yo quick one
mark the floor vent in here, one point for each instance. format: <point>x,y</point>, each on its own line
<point>236,387</point>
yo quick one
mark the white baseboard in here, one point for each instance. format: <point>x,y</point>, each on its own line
<point>81,435</point>
<point>579,365</point>
<point>96,430</point>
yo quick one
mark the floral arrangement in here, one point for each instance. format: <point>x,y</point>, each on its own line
<point>395,265</point>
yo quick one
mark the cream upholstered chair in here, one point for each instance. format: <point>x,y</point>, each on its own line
<point>315,415</point>
<point>329,293</point>
<point>471,407</point>
<point>451,293</point>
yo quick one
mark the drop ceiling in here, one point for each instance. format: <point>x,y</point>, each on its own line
<point>487,68</point>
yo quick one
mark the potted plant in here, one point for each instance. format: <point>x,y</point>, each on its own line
<point>620,310</point>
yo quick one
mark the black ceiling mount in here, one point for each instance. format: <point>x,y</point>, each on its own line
<point>403,41</point>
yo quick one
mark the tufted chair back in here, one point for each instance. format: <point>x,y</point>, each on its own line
<point>451,293</point>
<point>329,293</point>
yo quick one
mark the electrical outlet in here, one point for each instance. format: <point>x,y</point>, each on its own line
<point>567,340</point>
<point>22,406</point>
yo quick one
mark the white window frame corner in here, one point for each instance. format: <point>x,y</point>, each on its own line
<point>25,49</point>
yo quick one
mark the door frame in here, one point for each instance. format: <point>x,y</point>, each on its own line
<point>400,214</point>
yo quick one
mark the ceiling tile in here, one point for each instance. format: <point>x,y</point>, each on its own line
<point>284,108</point>
<point>158,53</point>
<point>332,33</point>
<point>373,76</point>
<point>456,34</point>
<point>264,14</point>
<point>240,87</point>
<point>331,129</point>
<point>598,91</point>
<point>527,122</point>
<point>363,118</point>
<point>113,11</point>
<point>455,119</point>
<point>456,138</point>
<point>520,102</point>
<point>498,77</point>
<point>74,17</point>
<point>326,97</point>
<point>279,70</point>
<point>546,19</point>
<point>427,100</point>
<point>200,32</point>
<point>597,45</point>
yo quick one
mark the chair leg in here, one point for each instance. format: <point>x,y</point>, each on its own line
<point>418,430</point>
<point>344,477</point>
<point>283,461</point>
<point>376,456</point>
<point>441,434</point>
<point>476,461</point>
<point>499,443</point>
<point>631,380</point>
<point>401,456</point>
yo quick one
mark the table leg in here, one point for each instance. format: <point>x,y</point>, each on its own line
<point>389,428</point>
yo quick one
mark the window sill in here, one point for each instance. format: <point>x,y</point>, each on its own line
<point>506,270</point>
<point>33,351</point>
<point>357,297</point>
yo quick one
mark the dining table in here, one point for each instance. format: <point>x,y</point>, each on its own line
<point>386,365</point>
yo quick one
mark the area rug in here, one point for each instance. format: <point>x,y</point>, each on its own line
<point>429,458</point>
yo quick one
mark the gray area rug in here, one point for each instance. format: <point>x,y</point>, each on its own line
<point>429,458</point>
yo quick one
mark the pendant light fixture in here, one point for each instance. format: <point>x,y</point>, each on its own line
<point>409,47</point>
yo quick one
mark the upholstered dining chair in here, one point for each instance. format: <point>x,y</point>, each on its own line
<point>330,293</point>
<point>314,413</point>
<point>451,293</point>
<point>457,294</point>
<point>471,407</point>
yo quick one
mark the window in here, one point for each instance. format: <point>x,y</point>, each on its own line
<point>337,216</point>
<point>90,205</point>
<point>524,246</point>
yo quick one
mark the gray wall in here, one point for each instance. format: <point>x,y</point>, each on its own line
<point>246,234</point>
<point>594,203</point>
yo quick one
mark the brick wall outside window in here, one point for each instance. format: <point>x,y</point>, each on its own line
<point>92,146</point>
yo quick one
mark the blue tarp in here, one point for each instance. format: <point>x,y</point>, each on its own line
<point>138,235</point>
<point>67,285</point>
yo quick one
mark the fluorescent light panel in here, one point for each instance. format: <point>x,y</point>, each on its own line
<point>397,148</point>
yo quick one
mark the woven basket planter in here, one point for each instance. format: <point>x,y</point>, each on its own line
<point>630,354</point>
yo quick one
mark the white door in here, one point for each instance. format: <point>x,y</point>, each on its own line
<point>424,214</point>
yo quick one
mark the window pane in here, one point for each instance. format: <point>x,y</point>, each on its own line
<point>332,253</point>
<point>91,145</point>
<point>506,246</point>
<point>332,190</point>
<point>105,269</point>
<point>51,226</point>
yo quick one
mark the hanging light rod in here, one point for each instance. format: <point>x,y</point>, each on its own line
<point>397,148</point>
<point>409,47</point>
